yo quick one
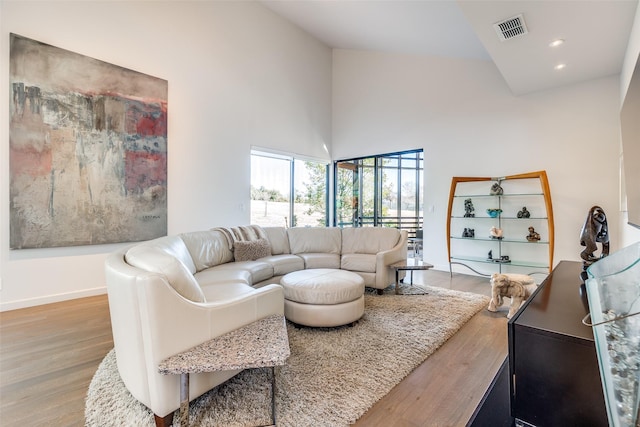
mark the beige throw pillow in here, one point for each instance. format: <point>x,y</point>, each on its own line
<point>251,250</point>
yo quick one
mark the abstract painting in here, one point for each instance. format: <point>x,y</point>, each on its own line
<point>88,150</point>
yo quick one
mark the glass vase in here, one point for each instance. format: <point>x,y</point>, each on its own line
<point>613,291</point>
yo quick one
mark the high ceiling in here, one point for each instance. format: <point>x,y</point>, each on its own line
<point>595,33</point>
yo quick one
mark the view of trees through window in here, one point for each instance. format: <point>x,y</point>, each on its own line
<point>383,190</point>
<point>287,191</point>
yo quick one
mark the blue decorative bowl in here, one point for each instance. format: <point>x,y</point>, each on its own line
<point>493,213</point>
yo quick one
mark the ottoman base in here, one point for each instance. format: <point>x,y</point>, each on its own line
<point>324,315</point>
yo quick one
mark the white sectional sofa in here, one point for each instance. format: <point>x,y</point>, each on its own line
<point>172,293</point>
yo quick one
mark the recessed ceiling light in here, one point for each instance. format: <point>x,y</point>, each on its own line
<point>556,43</point>
<point>560,67</point>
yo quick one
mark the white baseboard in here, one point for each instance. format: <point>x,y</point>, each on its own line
<point>48,299</point>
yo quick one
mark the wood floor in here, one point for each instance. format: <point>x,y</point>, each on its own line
<point>48,355</point>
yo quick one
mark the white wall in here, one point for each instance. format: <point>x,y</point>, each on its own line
<point>469,124</point>
<point>629,234</point>
<point>238,76</point>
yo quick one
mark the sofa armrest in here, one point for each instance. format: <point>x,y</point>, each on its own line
<point>172,324</point>
<point>384,274</point>
<point>151,322</point>
<point>175,324</point>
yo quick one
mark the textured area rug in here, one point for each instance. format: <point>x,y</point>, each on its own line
<point>334,375</point>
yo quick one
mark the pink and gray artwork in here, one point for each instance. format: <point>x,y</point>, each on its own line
<point>88,150</point>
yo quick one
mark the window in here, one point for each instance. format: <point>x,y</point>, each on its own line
<point>287,191</point>
<point>383,190</point>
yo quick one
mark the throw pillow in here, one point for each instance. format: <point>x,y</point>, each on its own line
<point>251,250</point>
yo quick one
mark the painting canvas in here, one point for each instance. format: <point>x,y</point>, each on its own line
<point>88,150</point>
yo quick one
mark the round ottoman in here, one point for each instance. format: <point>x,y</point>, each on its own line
<point>323,297</point>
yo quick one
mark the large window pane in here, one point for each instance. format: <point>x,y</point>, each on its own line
<point>390,211</point>
<point>346,194</point>
<point>274,178</point>
<point>366,216</point>
<point>270,191</point>
<point>310,204</point>
<point>409,185</point>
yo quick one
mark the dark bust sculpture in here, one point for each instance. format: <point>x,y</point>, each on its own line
<point>524,213</point>
<point>533,235</point>
<point>595,230</point>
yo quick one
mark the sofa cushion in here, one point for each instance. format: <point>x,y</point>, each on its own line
<point>212,276</point>
<point>368,240</point>
<point>251,250</point>
<point>284,264</point>
<point>278,238</point>
<point>359,262</point>
<point>318,260</point>
<point>327,240</point>
<point>259,270</point>
<point>207,248</point>
<point>157,260</point>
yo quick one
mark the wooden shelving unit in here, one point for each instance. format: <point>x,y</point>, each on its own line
<point>527,189</point>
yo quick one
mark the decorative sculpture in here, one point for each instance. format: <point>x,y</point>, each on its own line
<point>496,189</point>
<point>524,213</point>
<point>595,230</point>
<point>533,236</point>
<point>495,233</point>
<point>518,287</point>
<point>469,232</point>
<point>494,213</point>
<point>469,210</point>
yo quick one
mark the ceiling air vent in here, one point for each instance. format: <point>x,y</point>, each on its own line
<point>510,28</point>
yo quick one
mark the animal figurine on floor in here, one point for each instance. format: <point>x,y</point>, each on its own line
<point>518,287</point>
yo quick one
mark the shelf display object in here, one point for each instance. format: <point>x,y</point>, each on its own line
<point>502,225</point>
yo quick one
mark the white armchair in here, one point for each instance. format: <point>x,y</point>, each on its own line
<point>152,321</point>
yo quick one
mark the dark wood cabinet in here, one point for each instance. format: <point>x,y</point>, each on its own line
<point>553,367</point>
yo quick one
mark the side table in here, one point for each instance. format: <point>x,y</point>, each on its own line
<point>406,265</point>
<point>263,343</point>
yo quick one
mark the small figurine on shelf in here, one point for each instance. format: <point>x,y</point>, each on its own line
<point>490,256</point>
<point>495,233</point>
<point>533,236</point>
<point>496,189</point>
<point>469,232</point>
<point>494,213</point>
<point>469,209</point>
<point>524,213</point>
